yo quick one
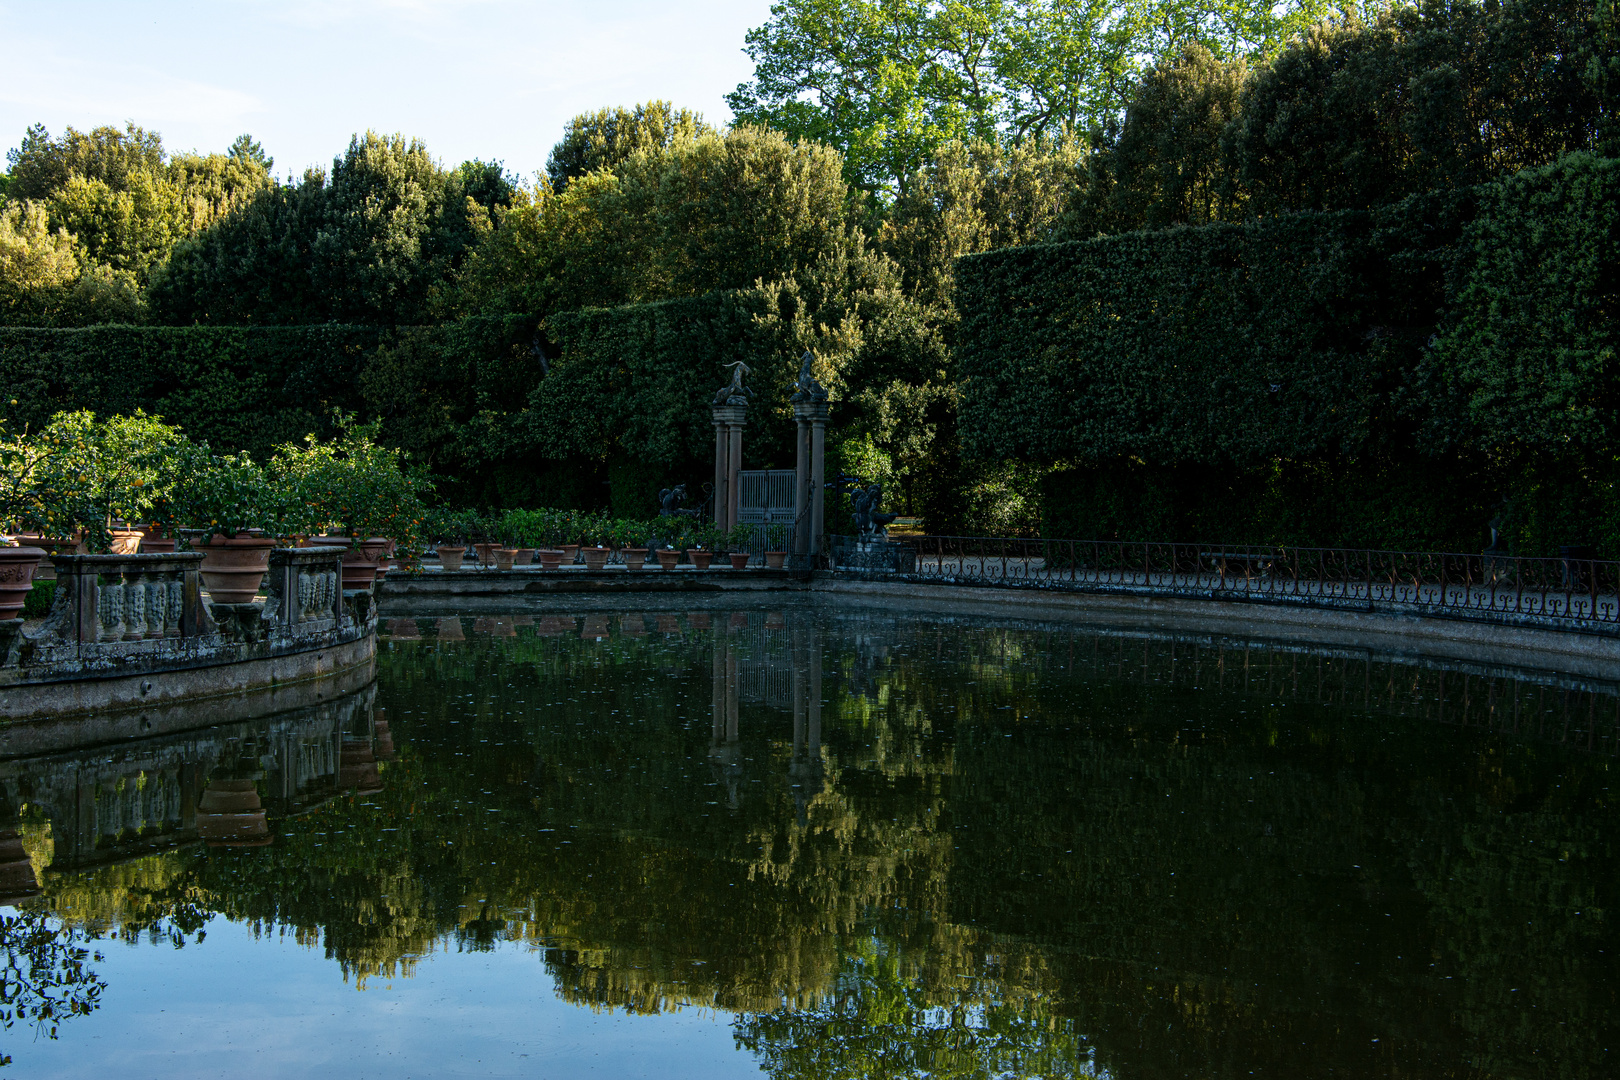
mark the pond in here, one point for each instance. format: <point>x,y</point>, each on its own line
<point>817,841</point>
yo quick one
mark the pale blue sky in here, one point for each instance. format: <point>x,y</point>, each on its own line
<point>473,78</point>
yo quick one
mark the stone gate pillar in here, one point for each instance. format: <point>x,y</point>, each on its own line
<point>810,489</point>
<point>728,426</point>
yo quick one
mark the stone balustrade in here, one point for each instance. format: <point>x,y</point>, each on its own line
<point>304,589</point>
<point>118,621</point>
<point>106,599</point>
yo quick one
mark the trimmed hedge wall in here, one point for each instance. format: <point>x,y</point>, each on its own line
<point>238,388</point>
<point>1395,377</point>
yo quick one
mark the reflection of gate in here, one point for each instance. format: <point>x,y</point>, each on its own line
<point>765,497</point>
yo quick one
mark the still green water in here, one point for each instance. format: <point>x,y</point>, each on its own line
<point>828,842</point>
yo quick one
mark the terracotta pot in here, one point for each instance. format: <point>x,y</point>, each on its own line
<point>525,557</point>
<point>504,558</point>
<point>486,554</point>
<point>570,553</point>
<point>596,557</point>
<point>125,542</point>
<point>361,563</point>
<point>17,566</point>
<point>233,567</point>
<point>52,546</point>
<point>700,559</point>
<point>153,542</point>
<point>450,557</point>
<point>668,557</point>
<point>357,767</point>
<point>739,560</point>
<point>550,558</point>
<point>775,559</point>
<point>634,558</point>
<point>229,815</point>
<point>385,738</point>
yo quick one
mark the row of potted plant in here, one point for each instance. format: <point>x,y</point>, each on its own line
<point>558,536</point>
<point>132,482</point>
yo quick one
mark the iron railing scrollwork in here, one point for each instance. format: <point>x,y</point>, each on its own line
<point>1568,592</point>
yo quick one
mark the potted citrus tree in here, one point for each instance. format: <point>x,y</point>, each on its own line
<point>737,540</point>
<point>229,511</point>
<point>358,491</point>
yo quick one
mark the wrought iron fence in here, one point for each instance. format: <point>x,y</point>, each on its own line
<point>1573,592</point>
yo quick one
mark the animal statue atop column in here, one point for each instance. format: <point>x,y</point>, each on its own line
<point>808,389</point>
<point>734,392</point>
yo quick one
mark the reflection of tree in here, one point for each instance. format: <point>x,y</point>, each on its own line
<point>1004,851</point>
<point>880,1023</point>
<point>45,979</point>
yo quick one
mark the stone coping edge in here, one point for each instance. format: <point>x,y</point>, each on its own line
<point>1592,655</point>
<point>156,692</point>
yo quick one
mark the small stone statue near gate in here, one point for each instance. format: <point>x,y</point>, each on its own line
<point>669,502</point>
<point>734,392</point>
<point>871,521</point>
<point>808,389</point>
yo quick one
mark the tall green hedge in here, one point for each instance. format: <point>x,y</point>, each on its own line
<point>633,386</point>
<point>1397,376</point>
<point>238,388</point>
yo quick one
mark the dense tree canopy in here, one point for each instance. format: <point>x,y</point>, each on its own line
<point>890,81</point>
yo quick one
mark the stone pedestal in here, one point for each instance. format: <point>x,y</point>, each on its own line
<point>728,426</point>
<point>809,497</point>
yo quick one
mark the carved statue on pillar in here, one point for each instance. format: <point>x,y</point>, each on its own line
<point>807,388</point>
<point>734,392</point>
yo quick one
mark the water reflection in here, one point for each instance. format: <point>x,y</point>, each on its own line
<point>895,846</point>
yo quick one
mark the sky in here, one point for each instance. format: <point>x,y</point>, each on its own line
<point>489,79</point>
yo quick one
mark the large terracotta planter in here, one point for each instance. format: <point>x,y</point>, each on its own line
<point>700,559</point>
<point>376,549</point>
<point>233,567</point>
<point>153,542</point>
<point>486,554</point>
<point>596,557</point>
<point>229,815</point>
<point>450,557</point>
<point>504,558</point>
<point>525,557</point>
<point>17,565</point>
<point>739,560</point>
<point>125,542</point>
<point>634,558</point>
<point>668,557</point>
<point>357,767</point>
<point>775,559</point>
<point>550,558</point>
<point>570,553</point>
<point>51,545</point>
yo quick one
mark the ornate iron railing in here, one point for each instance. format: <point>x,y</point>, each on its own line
<point>1573,592</point>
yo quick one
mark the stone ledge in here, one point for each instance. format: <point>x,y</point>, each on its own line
<point>1593,655</point>
<point>80,699</point>
<point>488,583</point>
